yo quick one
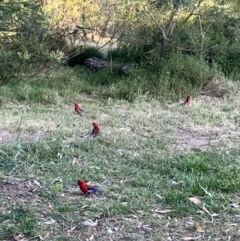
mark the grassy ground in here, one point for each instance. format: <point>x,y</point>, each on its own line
<point>151,159</point>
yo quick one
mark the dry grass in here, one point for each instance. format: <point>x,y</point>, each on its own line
<point>198,126</point>
<point>148,161</point>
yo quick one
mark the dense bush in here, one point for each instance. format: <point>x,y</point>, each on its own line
<point>189,69</point>
<point>216,41</point>
<point>129,53</point>
<point>23,33</point>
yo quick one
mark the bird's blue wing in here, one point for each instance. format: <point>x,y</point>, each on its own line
<point>93,189</point>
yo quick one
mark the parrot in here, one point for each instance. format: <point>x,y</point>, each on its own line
<point>95,131</point>
<point>85,188</point>
<point>187,101</point>
<point>78,109</point>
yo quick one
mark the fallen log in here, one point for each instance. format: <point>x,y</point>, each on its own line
<point>97,64</point>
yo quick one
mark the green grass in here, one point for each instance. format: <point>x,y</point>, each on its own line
<point>59,84</point>
<point>151,156</point>
<point>19,221</point>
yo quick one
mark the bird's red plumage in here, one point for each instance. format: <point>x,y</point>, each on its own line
<point>187,101</point>
<point>96,129</point>
<point>86,188</point>
<point>78,108</point>
<point>83,186</point>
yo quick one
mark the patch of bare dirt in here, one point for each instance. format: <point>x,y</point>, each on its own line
<point>204,139</point>
<point>7,136</point>
<point>17,189</point>
<point>188,139</point>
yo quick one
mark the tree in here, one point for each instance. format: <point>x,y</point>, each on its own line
<point>23,31</point>
<point>78,21</point>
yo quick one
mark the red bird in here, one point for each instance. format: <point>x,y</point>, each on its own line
<point>95,130</point>
<point>85,188</point>
<point>187,101</point>
<point>78,108</point>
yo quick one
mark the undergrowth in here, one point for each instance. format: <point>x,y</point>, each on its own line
<point>64,84</point>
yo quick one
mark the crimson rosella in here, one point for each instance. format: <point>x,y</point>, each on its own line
<point>187,101</point>
<point>85,188</point>
<point>96,130</point>
<point>78,108</point>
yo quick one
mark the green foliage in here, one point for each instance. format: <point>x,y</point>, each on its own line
<point>176,4</point>
<point>228,60</point>
<point>129,53</point>
<point>170,75</point>
<point>23,34</point>
<point>7,164</point>
<point>9,158</point>
<point>190,70</point>
<point>47,90</point>
<point>20,221</point>
<point>64,15</point>
<point>213,37</point>
<point>179,75</point>
<point>79,54</point>
<point>211,34</point>
<point>201,170</point>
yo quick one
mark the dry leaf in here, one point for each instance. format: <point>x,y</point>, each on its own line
<point>37,183</point>
<point>195,200</point>
<point>125,129</point>
<point>57,180</point>
<point>50,206</point>
<point>159,196</point>
<point>109,230</point>
<point>91,238</point>
<point>208,193</point>
<point>210,214</point>
<point>235,205</point>
<point>198,228</point>
<point>72,229</point>
<point>84,206</point>
<point>136,154</point>
<point>50,222</point>
<point>176,183</point>
<point>74,160</point>
<point>231,224</point>
<point>120,152</point>
<point>90,223</point>
<point>163,211</point>
<point>191,238</point>
<point>144,226</point>
<point>18,237</point>
<point>140,225</point>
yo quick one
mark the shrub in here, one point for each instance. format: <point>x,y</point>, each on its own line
<point>181,74</point>
<point>129,53</point>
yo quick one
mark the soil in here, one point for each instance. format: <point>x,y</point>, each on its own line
<point>26,137</point>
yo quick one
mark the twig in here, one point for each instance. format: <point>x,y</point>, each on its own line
<point>113,36</point>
